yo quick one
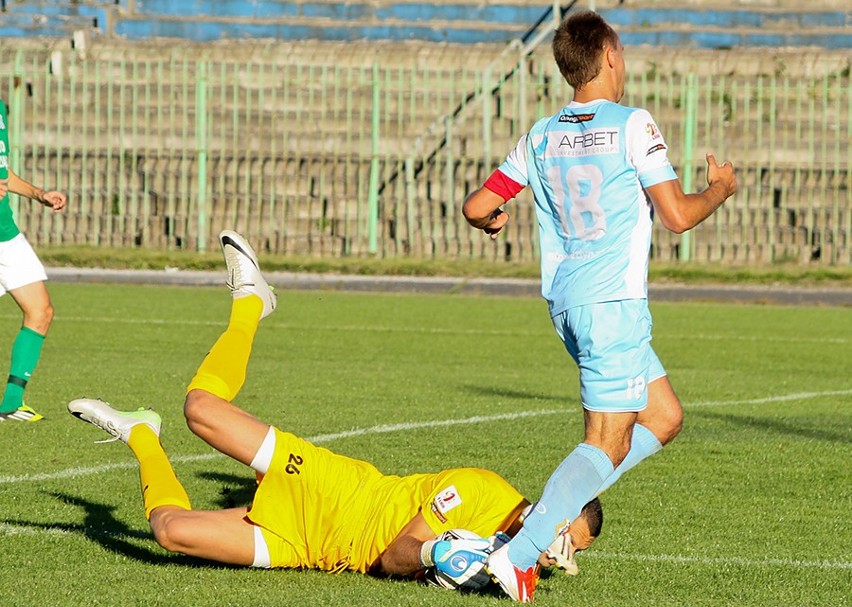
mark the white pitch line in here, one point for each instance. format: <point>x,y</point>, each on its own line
<point>755,338</point>
<point>386,428</point>
<point>769,399</point>
<point>94,470</point>
<point>478,419</point>
<point>722,560</point>
<point>9,530</point>
<point>318,439</point>
<point>291,327</point>
<point>429,331</point>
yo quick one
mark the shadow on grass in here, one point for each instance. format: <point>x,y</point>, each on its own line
<point>236,492</point>
<point>101,527</point>
<point>504,393</point>
<point>775,426</point>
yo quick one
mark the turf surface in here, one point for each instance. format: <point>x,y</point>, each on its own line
<point>748,507</point>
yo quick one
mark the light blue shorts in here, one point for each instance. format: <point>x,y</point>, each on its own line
<point>611,343</point>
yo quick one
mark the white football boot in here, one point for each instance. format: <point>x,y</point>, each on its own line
<point>244,276</point>
<point>562,551</point>
<point>117,423</point>
<point>518,584</point>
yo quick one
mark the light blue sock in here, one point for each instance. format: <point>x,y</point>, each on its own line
<point>573,484</point>
<point>643,444</point>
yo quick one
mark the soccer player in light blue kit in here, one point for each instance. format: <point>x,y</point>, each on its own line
<point>597,171</point>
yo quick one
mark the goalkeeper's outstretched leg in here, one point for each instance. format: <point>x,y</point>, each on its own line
<point>225,535</point>
<point>207,408</point>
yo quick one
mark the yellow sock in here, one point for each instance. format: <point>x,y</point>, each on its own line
<point>223,371</point>
<point>160,486</point>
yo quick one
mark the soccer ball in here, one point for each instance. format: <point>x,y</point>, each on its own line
<point>469,574</point>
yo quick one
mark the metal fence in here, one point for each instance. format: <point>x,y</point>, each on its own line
<point>160,150</point>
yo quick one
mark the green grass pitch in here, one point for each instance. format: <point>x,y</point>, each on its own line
<point>750,506</point>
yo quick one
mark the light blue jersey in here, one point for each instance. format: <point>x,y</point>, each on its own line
<point>587,167</point>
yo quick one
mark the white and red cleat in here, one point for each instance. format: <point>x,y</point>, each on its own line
<point>518,584</point>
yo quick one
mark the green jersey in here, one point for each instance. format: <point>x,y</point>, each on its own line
<point>8,228</point>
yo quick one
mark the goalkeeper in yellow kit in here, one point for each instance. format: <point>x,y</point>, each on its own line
<point>313,508</point>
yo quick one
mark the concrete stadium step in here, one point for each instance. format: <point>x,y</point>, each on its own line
<point>666,27</point>
<point>57,25</point>
<point>702,24</point>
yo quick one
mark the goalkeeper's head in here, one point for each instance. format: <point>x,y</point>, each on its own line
<point>587,527</point>
<point>578,536</point>
<point>584,530</point>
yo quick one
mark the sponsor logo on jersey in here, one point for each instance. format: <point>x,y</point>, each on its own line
<point>576,118</point>
<point>587,143</point>
<point>2,123</point>
<point>656,148</point>
<point>444,501</point>
<point>652,131</point>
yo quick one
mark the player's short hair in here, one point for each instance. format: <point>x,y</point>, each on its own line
<point>593,513</point>
<point>578,44</point>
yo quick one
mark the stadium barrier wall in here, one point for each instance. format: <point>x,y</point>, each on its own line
<point>347,156</point>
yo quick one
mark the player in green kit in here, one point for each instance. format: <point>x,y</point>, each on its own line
<point>22,276</point>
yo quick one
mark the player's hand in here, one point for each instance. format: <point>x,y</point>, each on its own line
<point>721,176</point>
<point>499,218</point>
<point>454,558</point>
<point>53,199</point>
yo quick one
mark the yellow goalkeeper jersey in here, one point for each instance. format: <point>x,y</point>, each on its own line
<point>332,512</point>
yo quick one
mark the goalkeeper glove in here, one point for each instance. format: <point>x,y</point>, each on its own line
<point>456,560</point>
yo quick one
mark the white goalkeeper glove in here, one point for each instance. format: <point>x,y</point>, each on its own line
<point>456,559</point>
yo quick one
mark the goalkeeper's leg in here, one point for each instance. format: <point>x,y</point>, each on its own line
<point>207,408</point>
<point>224,536</point>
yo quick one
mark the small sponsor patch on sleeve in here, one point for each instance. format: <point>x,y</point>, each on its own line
<point>652,131</point>
<point>656,148</point>
<point>446,500</point>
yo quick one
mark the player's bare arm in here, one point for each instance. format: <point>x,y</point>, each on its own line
<point>482,210</point>
<point>680,212</point>
<point>402,557</point>
<point>50,198</point>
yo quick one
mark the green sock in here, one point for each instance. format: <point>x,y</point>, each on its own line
<point>25,354</point>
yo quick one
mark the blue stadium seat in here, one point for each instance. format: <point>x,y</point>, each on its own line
<point>457,21</point>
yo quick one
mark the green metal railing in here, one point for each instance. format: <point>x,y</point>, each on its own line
<point>162,151</point>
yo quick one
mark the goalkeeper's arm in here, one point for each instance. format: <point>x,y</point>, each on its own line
<point>402,557</point>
